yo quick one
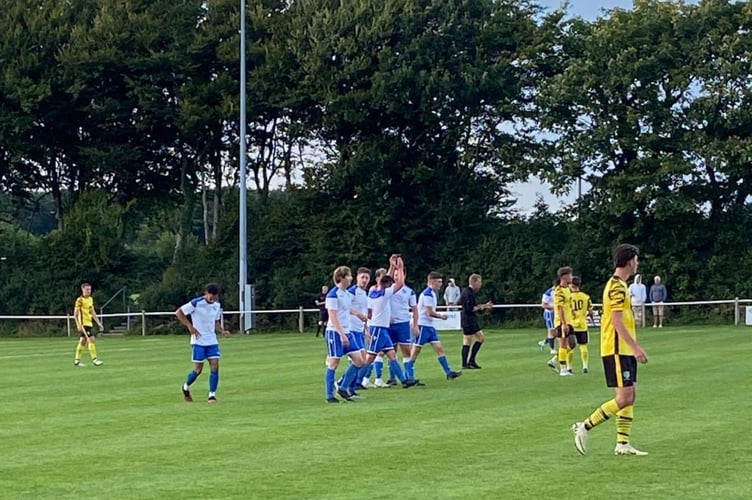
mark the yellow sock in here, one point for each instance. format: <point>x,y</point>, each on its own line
<point>563,353</point>
<point>606,411</point>
<point>585,355</point>
<point>79,351</point>
<point>92,350</point>
<point>624,419</point>
<point>570,358</point>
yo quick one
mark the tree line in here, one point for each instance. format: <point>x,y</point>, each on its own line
<point>374,127</point>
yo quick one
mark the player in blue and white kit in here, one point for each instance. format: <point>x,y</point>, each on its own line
<point>379,309</point>
<point>339,340</point>
<point>547,303</point>
<point>205,321</point>
<point>427,303</point>
<point>358,321</point>
<point>404,323</point>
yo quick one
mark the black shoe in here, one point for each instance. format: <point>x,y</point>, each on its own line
<point>474,366</point>
<point>332,400</point>
<point>186,395</point>
<point>418,383</point>
<point>391,382</point>
<point>361,387</point>
<point>409,383</point>
<point>211,399</point>
<point>345,395</point>
<point>465,366</point>
<point>453,375</point>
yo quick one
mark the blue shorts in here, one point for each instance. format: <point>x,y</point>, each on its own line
<point>360,339</point>
<point>203,352</point>
<point>334,347</point>
<point>400,333</point>
<point>380,340</point>
<point>548,318</point>
<point>427,335</point>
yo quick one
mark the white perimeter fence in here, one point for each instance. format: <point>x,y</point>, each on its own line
<point>736,311</point>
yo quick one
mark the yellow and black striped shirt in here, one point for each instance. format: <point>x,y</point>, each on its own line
<point>616,298</point>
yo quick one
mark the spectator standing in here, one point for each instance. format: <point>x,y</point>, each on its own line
<point>638,293</point>
<point>452,294</point>
<point>658,296</point>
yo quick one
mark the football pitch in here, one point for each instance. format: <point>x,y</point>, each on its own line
<point>122,430</point>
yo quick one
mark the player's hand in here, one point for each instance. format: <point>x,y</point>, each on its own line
<point>445,317</point>
<point>194,332</point>
<point>101,327</point>
<point>344,339</point>
<point>640,354</point>
<point>415,330</point>
<point>226,333</point>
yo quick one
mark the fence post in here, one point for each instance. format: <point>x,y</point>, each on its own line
<point>736,311</point>
<point>301,322</point>
<point>642,315</point>
<point>67,321</point>
<point>143,323</point>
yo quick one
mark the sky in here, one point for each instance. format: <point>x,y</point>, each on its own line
<point>526,192</point>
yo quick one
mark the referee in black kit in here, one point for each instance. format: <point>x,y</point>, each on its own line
<point>469,320</point>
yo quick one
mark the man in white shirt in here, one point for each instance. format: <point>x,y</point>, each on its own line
<point>205,322</point>
<point>426,314</point>
<point>638,294</point>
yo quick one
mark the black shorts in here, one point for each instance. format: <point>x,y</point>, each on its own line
<point>582,337</point>
<point>470,326</point>
<point>323,315</point>
<point>620,371</point>
<point>89,332</point>
<point>567,331</point>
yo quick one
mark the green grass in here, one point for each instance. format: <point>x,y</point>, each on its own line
<point>123,431</point>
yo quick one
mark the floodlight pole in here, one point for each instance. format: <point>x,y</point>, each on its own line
<point>243,236</point>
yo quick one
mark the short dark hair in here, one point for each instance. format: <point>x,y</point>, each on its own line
<point>564,271</point>
<point>433,275</point>
<point>212,288</point>
<point>576,281</point>
<point>624,253</point>
<point>386,280</point>
<point>363,270</point>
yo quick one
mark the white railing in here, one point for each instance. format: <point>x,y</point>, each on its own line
<point>737,304</point>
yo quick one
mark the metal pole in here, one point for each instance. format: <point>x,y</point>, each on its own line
<point>737,316</point>
<point>243,236</point>
<point>301,321</point>
<point>143,323</point>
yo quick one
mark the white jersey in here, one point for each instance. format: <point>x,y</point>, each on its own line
<point>360,304</point>
<point>427,299</point>
<point>379,302</point>
<point>204,317</point>
<point>341,301</point>
<point>402,303</point>
<point>548,298</point>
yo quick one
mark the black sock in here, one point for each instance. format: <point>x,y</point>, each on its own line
<point>465,352</point>
<point>476,348</point>
<point>550,342</point>
<point>318,329</point>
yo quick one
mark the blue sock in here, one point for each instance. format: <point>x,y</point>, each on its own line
<point>213,381</point>
<point>444,364</point>
<point>350,374</point>
<point>379,365</point>
<point>192,376</point>
<point>329,382</point>
<point>410,368</point>
<point>360,375</point>
<point>369,370</point>
<point>394,368</point>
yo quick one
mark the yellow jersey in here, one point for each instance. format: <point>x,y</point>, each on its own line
<point>563,298</point>
<point>86,306</point>
<point>616,298</point>
<point>581,306</point>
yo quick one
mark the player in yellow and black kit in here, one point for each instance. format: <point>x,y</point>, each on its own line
<point>582,308</point>
<point>563,319</point>
<point>620,353</point>
<point>84,313</point>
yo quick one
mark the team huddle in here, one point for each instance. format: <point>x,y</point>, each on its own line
<point>367,325</point>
